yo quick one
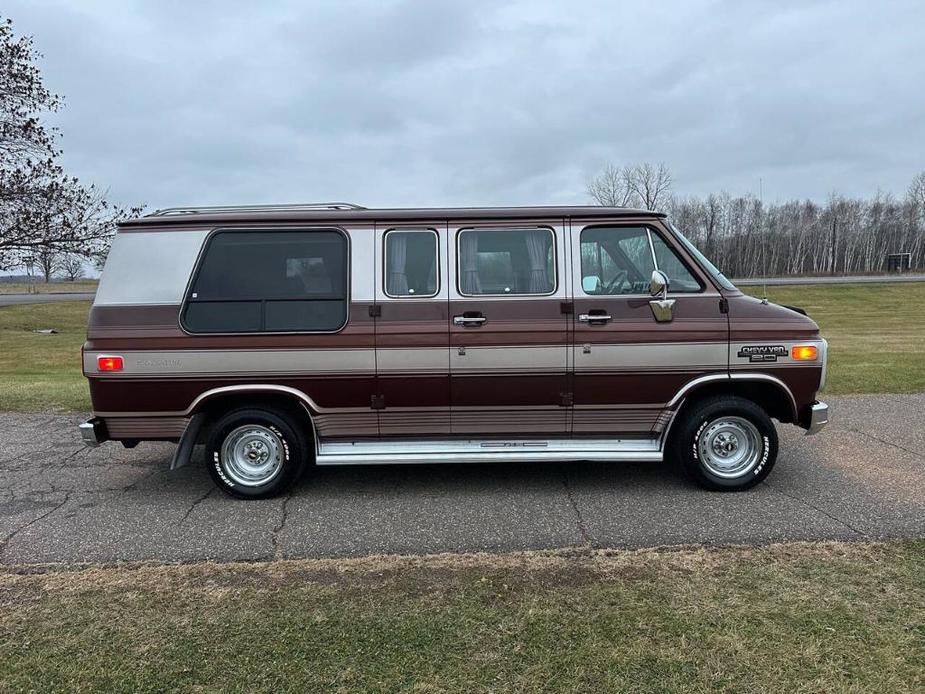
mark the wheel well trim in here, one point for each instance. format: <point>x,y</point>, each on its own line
<point>717,378</point>
<point>309,405</point>
<point>680,396</point>
<point>207,395</point>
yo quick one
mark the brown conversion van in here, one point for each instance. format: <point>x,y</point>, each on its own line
<point>283,337</point>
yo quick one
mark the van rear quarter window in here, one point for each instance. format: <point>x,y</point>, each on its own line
<point>272,281</point>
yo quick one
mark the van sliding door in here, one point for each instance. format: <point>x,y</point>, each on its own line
<point>509,344</point>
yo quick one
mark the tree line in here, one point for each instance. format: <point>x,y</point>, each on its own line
<point>746,237</point>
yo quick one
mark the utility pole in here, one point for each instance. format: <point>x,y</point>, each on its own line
<point>834,223</point>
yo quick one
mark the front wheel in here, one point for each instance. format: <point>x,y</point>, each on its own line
<point>725,443</point>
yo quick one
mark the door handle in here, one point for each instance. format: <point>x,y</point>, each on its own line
<point>594,317</point>
<point>469,321</point>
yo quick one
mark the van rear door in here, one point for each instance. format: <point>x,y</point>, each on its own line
<point>412,340</point>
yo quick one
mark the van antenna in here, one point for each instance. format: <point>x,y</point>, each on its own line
<point>764,255</point>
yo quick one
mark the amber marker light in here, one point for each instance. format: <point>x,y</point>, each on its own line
<point>804,353</point>
<point>109,363</point>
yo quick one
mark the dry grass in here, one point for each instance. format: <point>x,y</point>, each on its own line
<point>793,617</point>
<point>39,287</point>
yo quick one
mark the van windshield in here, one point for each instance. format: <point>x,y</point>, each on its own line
<point>710,267</point>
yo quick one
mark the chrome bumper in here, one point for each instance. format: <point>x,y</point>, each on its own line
<point>93,432</point>
<point>818,417</point>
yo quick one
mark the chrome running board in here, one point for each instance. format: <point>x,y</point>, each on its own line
<point>485,451</point>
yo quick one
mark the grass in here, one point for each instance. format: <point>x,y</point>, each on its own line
<point>794,617</point>
<point>42,373</point>
<point>48,287</point>
<point>876,333</point>
<point>876,339</point>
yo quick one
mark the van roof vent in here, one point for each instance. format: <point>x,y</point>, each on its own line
<point>295,207</point>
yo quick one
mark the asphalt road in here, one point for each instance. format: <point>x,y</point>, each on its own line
<point>856,279</point>
<point>13,299</point>
<point>863,477</point>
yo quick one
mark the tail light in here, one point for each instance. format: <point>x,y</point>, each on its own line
<point>109,363</point>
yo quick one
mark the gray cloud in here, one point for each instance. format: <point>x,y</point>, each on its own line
<point>448,102</point>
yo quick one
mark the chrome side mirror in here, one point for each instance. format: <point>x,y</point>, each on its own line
<point>663,307</point>
<point>659,284</point>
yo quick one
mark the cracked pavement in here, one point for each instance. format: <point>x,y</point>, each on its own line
<point>862,477</point>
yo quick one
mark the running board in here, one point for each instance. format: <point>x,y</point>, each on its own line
<point>486,451</point>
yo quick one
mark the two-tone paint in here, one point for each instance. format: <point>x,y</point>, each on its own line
<point>403,369</point>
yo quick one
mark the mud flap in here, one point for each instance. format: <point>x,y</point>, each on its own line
<point>185,448</point>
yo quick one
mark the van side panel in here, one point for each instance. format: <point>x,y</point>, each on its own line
<point>166,368</point>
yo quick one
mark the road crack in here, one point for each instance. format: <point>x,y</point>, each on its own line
<point>277,549</point>
<point>195,503</point>
<point>9,538</point>
<point>587,540</point>
<point>825,513</point>
<point>917,454</point>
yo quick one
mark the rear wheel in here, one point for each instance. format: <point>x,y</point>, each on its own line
<point>725,443</point>
<point>256,453</point>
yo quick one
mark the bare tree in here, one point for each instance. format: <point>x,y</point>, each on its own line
<point>650,184</point>
<point>43,212</point>
<point>48,261</point>
<point>72,266</point>
<point>610,187</point>
<point>641,185</point>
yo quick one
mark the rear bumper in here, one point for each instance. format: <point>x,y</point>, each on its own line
<point>93,432</point>
<point>818,417</point>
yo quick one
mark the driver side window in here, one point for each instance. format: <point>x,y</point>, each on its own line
<point>615,261</point>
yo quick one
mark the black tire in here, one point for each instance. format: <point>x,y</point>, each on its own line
<point>704,424</point>
<point>281,447</point>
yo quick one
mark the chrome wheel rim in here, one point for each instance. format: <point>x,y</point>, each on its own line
<point>729,446</point>
<point>252,455</point>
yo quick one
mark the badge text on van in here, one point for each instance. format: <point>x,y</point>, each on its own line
<point>763,353</point>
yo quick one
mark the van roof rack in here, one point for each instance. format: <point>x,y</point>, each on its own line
<point>295,207</point>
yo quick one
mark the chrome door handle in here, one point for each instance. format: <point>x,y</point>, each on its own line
<point>474,321</point>
<point>594,317</point>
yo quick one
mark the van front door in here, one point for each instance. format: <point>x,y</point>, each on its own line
<point>628,365</point>
<point>509,343</point>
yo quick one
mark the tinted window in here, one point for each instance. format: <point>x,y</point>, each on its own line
<point>294,281</point>
<point>615,260</point>
<point>506,261</point>
<point>411,263</point>
<point>680,278</point>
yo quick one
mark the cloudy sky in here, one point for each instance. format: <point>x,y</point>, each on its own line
<point>467,102</point>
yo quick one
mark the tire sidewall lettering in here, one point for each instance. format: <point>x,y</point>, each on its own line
<point>694,449</point>
<point>765,454</point>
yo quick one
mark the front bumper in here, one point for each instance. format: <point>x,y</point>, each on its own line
<point>818,417</point>
<point>93,432</point>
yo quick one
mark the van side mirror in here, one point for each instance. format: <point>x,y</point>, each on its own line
<point>659,284</point>
<point>663,307</point>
